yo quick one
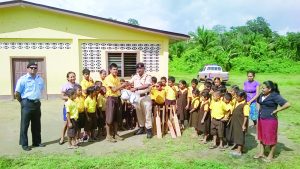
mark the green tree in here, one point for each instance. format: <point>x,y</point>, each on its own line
<point>176,49</point>
<point>203,38</point>
<point>294,39</point>
<point>133,21</point>
<point>260,26</point>
<point>219,29</point>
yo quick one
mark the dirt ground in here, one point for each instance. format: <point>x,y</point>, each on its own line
<point>52,124</point>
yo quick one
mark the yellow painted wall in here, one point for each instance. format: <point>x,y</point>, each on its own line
<point>27,24</point>
<point>58,62</point>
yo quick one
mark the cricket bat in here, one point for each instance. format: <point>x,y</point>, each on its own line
<point>177,127</point>
<point>173,135</point>
<point>158,125</point>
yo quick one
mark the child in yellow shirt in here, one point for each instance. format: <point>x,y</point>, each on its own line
<point>171,93</point>
<point>233,91</point>
<point>159,94</point>
<point>204,116</point>
<point>182,102</point>
<point>86,82</point>
<point>80,105</point>
<point>72,116</point>
<point>153,88</point>
<point>227,99</point>
<point>163,81</point>
<point>101,102</point>
<point>218,111</point>
<point>194,112</point>
<point>238,125</point>
<point>90,105</point>
<point>194,85</point>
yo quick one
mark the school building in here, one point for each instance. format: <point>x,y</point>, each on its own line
<point>62,41</point>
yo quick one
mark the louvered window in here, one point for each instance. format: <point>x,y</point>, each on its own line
<point>126,63</point>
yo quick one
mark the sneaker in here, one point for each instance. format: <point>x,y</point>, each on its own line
<point>38,145</point>
<point>119,138</point>
<point>26,148</point>
<point>149,133</point>
<point>85,139</point>
<point>140,131</point>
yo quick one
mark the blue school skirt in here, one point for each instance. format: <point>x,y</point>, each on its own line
<point>253,115</point>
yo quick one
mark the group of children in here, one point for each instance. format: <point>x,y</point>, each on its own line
<point>210,109</point>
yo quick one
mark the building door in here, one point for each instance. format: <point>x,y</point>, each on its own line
<point>19,68</point>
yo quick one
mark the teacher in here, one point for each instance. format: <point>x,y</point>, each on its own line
<point>267,126</point>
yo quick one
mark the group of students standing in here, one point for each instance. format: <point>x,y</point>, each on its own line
<point>211,109</point>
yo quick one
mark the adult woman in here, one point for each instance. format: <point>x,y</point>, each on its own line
<point>267,118</point>
<point>251,87</point>
<point>71,77</point>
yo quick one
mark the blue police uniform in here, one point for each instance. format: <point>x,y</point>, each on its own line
<point>30,90</point>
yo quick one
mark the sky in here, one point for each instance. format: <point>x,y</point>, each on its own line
<point>184,16</point>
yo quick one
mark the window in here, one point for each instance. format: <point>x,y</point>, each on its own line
<point>126,63</point>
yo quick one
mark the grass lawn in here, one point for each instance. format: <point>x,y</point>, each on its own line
<point>186,152</point>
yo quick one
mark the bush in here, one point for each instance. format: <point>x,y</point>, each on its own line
<point>268,65</point>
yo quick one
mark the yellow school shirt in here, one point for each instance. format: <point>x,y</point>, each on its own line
<point>206,105</point>
<point>219,109</point>
<point>227,113</point>
<point>159,96</point>
<point>195,102</point>
<point>246,109</point>
<point>103,83</point>
<point>201,87</point>
<point>80,103</point>
<point>71,109</point>
<point>101,100</point>
<point>171,92</point>
<point>86,84</point>
<point>233,104</point>
<point>190,91</point>
<point>111,81</point>
<point>152,91</point>
<point>90,104</point>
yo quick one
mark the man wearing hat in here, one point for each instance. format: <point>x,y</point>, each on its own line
<point>28,92</point>
<point>142,83</point>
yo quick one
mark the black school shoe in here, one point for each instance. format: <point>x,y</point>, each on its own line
<point>149,133</point>
<point>38,145</point>
<point>140,131</point>
<point>26,148</point>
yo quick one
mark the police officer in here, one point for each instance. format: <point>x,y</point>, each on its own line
<point>142,83</point>
<point>28,92</point>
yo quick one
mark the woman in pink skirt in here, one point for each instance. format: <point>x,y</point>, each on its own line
<point>267,119</point>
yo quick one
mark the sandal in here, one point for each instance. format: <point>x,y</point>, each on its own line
<point>213,147</point>
<point>61,142</point>
<point>233,147</point>
<point>257,156</point>
<point>267,160</point>
<point>222,148</point>
<point>73,147</point>
<point>234,153</point>
<point>203,142</point>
